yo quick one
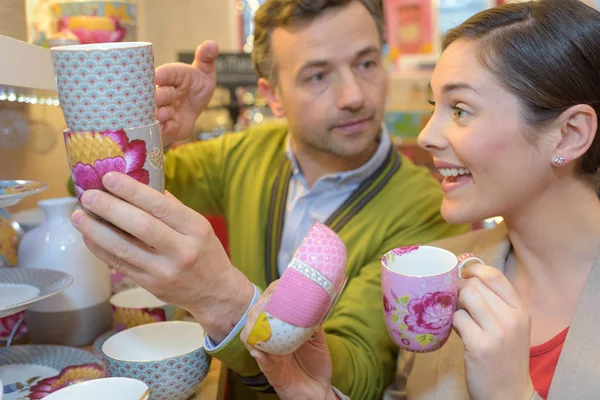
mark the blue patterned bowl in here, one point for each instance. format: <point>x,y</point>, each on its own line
<point>169,357</point>
<point>105,86</point>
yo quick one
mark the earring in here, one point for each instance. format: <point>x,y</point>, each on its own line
<point>558,161</point>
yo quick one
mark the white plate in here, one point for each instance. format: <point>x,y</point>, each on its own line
<point>17,190</point>
<point>36,284</point>
<point>40,370</point>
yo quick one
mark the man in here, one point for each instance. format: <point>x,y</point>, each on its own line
<point>320,66</point>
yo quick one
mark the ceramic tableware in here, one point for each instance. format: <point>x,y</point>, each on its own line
<point>33,372</point>
<point>96,21</point>
<point>168,356</point>
<point>137,306</point>
<point>104,389</point>
<point>105,86</point>
<point>22,287</point>
<point>11,192</point>
<point>136,152</point>
<point>419,293</point>
<point>306,293</point>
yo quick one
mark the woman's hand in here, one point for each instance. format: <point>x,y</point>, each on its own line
<point>302,375</point>
<point>495,329</point>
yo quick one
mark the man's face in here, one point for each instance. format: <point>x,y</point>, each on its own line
<point>332,84</point>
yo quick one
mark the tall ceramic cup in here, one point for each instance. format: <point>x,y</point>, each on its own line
<point>419,293</point>
<point>105,86</point>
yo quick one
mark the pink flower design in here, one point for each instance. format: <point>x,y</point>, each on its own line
<point>404,250</point>
<point>67,377</point>
<point>7,324</point>
<point>388,306</point>
<point>431,314</point>
<point>93,154</point>
<point>86,34</point>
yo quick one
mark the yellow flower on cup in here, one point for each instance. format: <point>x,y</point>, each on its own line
<point>125,318</point>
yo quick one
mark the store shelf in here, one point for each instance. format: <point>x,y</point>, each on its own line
<point>26,68</point>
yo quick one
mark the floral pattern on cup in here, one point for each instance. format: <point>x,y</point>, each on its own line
<point>93,154</point>
<point>419,296</point>
<point>97,21</point>
<point>421,319</point>
<point>400,251</point>
<point>34,388</point>
<point>125,318</point>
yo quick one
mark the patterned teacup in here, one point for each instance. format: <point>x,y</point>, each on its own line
<point>105,86</point>
<point>419,292</point>
<point>137,306</point>
<point>136,152</point>
<point>102,389</point>
<point>167,356</point>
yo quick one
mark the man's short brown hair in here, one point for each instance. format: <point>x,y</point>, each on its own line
<point>283,13</point>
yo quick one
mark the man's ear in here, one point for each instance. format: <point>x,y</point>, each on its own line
<point>271,94</point>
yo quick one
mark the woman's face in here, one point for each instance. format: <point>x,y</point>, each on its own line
<point>492,166</point>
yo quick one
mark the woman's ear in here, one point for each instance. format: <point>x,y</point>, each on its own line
<point>578,130</point>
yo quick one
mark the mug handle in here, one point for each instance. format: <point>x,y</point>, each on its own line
<point>465,259</point>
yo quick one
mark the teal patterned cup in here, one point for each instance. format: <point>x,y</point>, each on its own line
<point>169,357</point>
<point>105,86</point>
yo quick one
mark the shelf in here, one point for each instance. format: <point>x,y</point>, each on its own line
<point>26,68</point>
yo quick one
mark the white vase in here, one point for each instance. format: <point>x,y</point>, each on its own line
<point>77,316</point>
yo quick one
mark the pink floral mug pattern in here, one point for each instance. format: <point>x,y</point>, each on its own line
<point>136,152</point>
<point>419,294</point>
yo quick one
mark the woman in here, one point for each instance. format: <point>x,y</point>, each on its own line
<point>516,94</point>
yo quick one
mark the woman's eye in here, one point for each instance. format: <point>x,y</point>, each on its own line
<point>459,113</point>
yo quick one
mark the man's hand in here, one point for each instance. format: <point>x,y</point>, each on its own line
<point>183,91</point>
<point>302,375</point>
<point>167,248</point>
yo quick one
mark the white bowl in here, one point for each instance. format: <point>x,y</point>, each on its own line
<point>103,389</point>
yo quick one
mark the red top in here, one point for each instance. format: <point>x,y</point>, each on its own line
<point>543,360</point>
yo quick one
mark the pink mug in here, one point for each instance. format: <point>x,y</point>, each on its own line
<point>419,292</point>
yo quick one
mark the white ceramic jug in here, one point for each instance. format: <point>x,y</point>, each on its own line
<point>77,316</point>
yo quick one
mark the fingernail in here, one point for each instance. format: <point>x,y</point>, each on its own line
<point>110,180</point>
<point>254,353</point>
<point>88,198</point>
<point>76,218</point>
